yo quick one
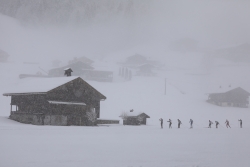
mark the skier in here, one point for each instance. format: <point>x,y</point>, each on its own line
<point>179,123</point>
<point>216,123</point>
<point>210,123</point>
<point>191,123</point>
<point>227,124</point>
<point>161,122</point>
<point>170,123</point>
<point>240,123</point>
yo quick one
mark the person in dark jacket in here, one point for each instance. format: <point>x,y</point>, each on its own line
<point>161,122</point>
<point>191,123</point>
<point>227,124</point>
<point>240,123</point>
<point>170,123</point>
<point>179,123</point>
<point>210,123</point>
<point>216,123</point>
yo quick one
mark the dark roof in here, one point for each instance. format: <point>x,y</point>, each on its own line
<point>82,59</point>
<point>136,114</point>
<point>79,64</point>
<point>237,95</point>
<point>238,91</point>
<point>44,85</point>
<point>137,58</point>
<point>74,66</point>
<point>68,69</point>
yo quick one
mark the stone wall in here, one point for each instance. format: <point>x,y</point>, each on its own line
<point>35,119</point>
<point>57,120</point>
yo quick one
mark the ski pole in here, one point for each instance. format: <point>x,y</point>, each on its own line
<point>197,124</point>
<point>221,125</point>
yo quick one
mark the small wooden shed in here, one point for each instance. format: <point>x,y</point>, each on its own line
<point>134,118</point>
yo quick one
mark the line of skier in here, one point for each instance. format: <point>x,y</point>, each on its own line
<point>191,123</point>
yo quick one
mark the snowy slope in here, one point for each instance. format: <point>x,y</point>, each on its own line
<point>190,77</point>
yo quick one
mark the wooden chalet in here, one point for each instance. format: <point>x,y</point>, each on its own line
<point>237,97</point>
<point>145,70</point>
<point>134,118</point>
<point>84,70</point>
<point>136,59</point>
<point>78,69</point>
<point>82,59</point>
<point>55,101</point>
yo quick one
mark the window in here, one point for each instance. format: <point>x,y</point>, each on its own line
<point>14,108</point>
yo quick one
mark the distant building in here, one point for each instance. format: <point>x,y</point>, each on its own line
<point>145,70</point>
<point>237,97</point>
<point>55,101</point>
<point>136,59</point>
<point>3,56</point>
<point>82,59</point>
<point>134,118</point>
<point>77,68</point>
<point>96,75</point>
<point>84,70</point>
<point>56,63</point>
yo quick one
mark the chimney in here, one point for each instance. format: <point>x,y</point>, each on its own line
<point>67,72</point>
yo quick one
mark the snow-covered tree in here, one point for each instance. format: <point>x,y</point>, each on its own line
<point>91,115</point>
<point>124,116</point>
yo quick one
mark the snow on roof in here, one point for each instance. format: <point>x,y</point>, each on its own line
<point>67,69</point>
<point>67,103</point>
<point>132,114</point>
<point>229,89</point>
<point>38,85</point>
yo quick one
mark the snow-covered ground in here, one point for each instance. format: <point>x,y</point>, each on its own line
<point>121,146</point>
<point>189,78</point>
<point>134,146</point>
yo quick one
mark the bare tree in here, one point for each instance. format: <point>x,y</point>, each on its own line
<point>140,119</point>
<point>124,116</point>
<point>91,115</point>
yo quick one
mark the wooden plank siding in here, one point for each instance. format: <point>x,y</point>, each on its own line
<point>36,109</point>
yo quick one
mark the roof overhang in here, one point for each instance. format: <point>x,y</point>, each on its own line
<point>67,103</point>
<point>28,93</point>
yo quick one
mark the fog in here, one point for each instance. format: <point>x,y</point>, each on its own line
<point>46,30</point>
<point>169,59</point>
